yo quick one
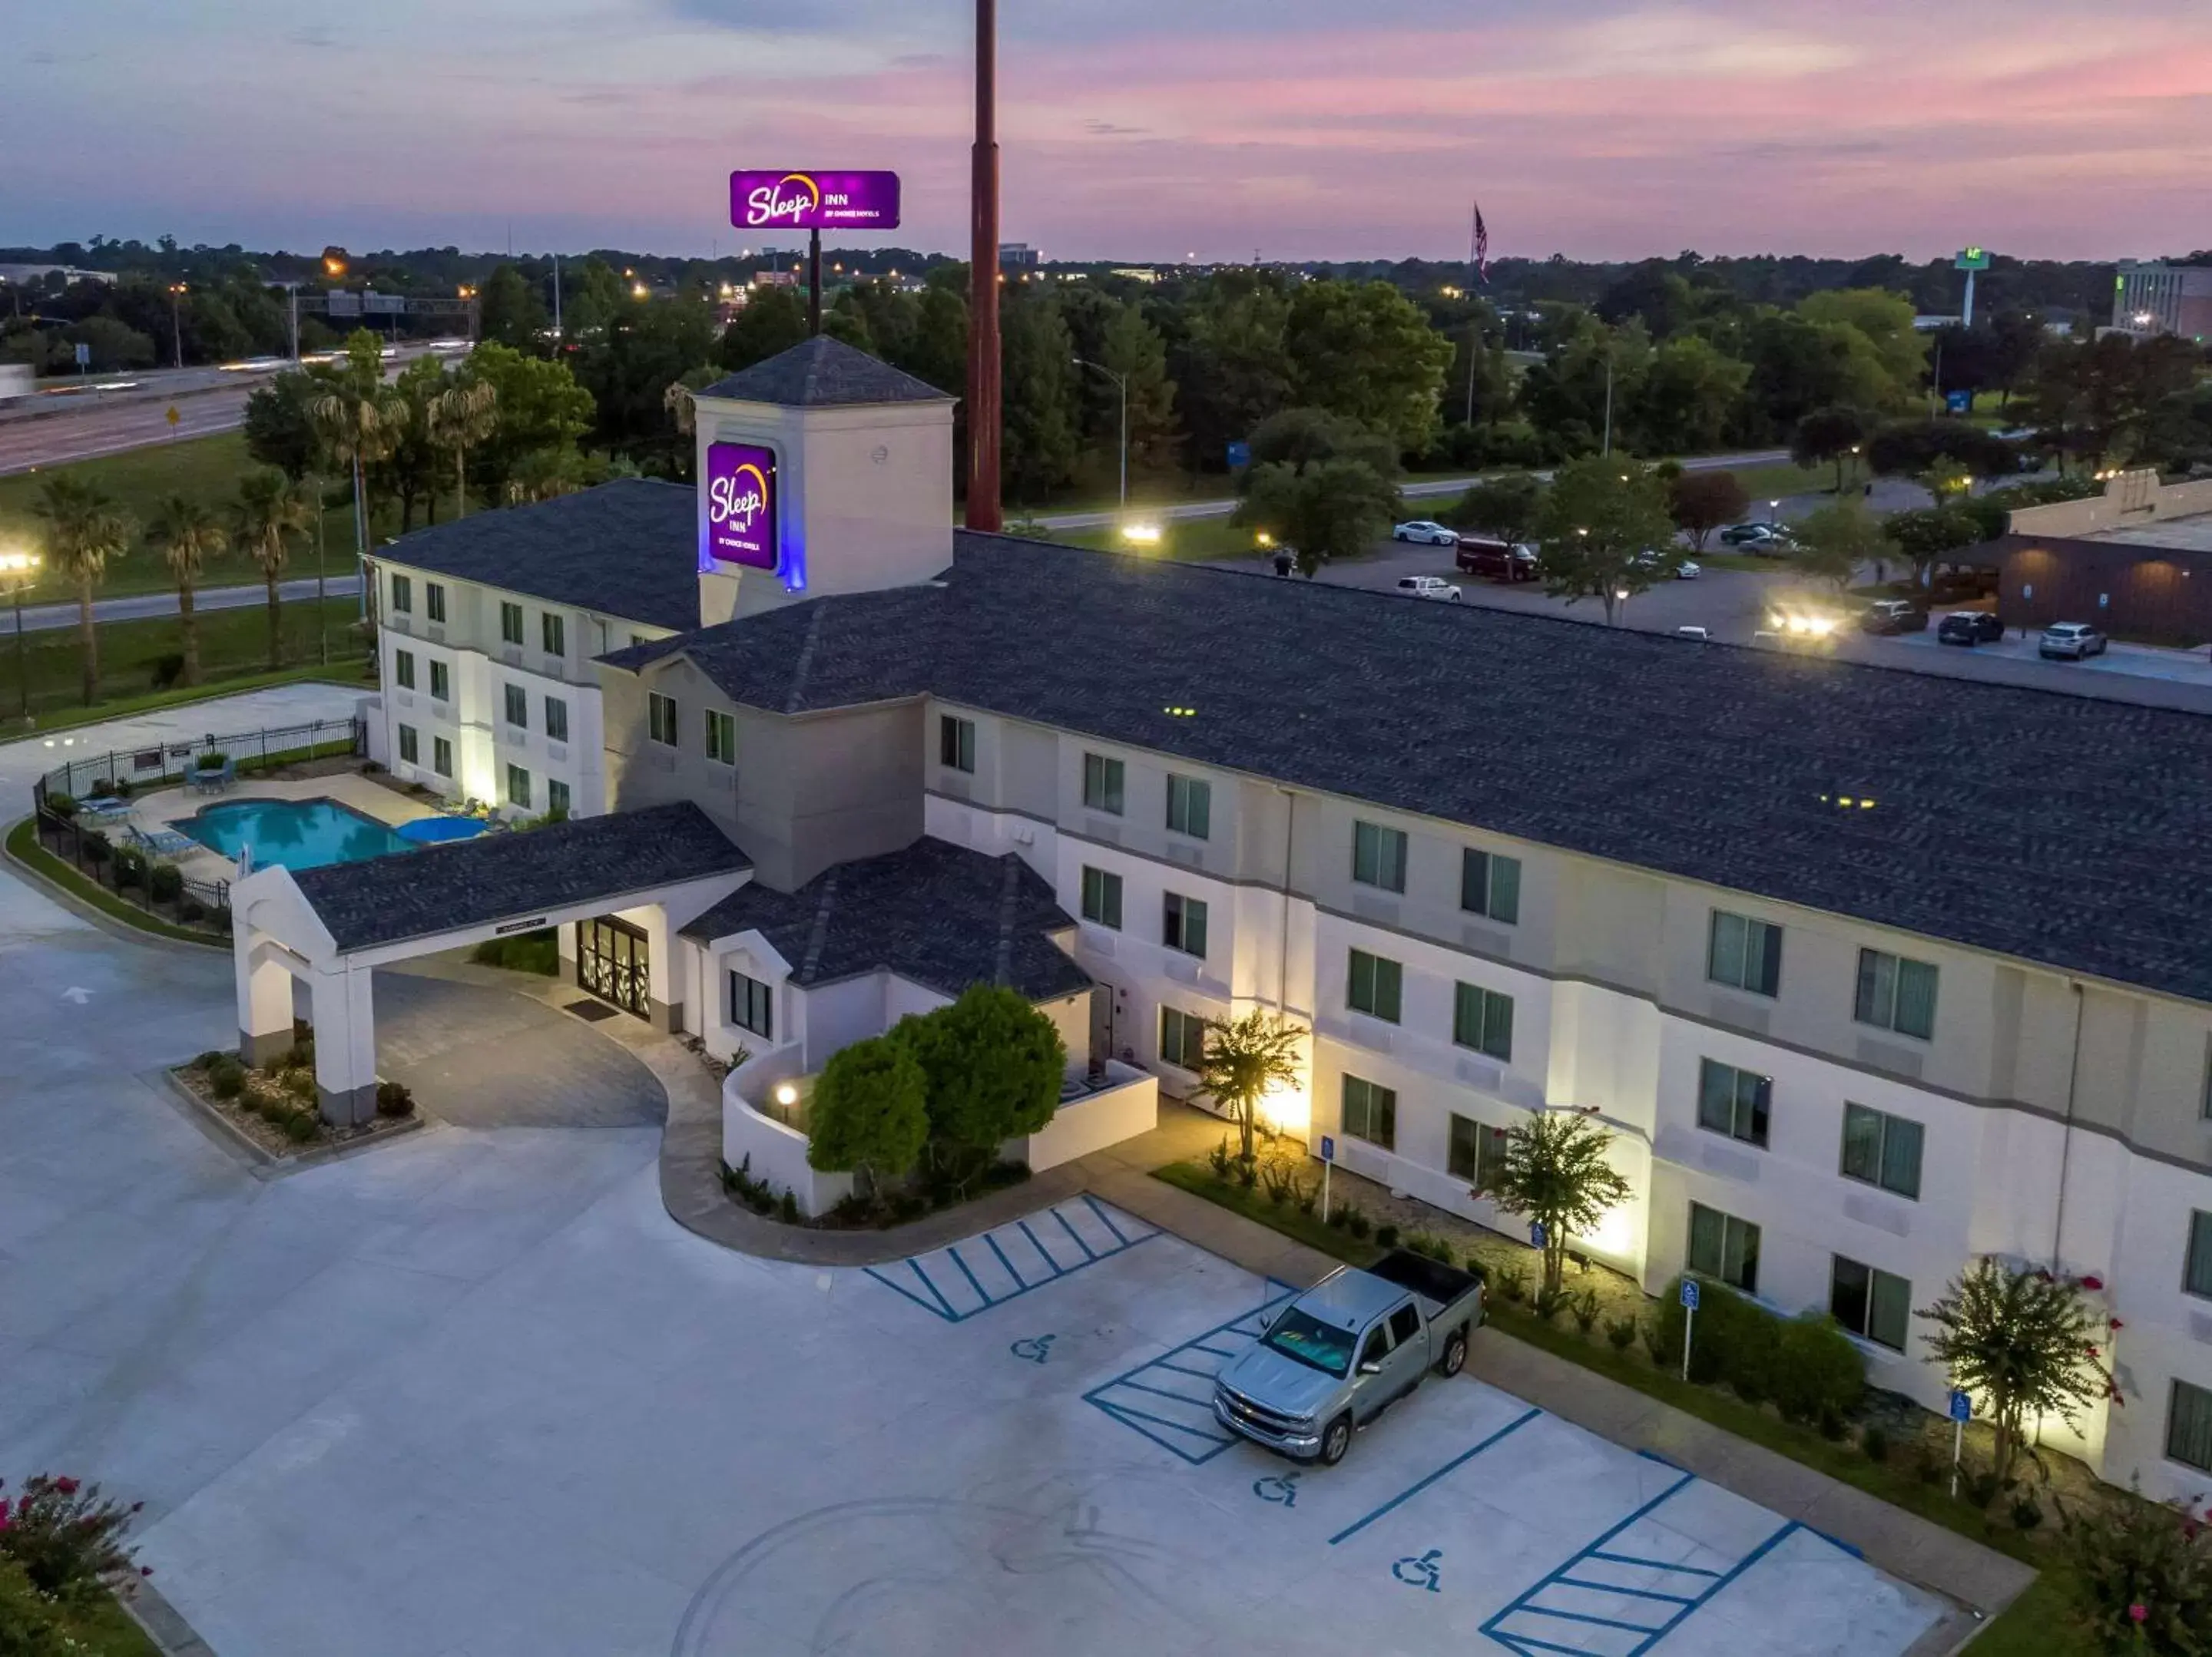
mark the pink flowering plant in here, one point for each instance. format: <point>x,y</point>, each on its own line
<point>66,1537</point>
<point>2143,1575</point>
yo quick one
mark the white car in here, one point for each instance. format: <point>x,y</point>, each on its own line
<point>1651,558</point>
<point>1426,532</point>
<point>1688,570</point>
<point>1428,587</point>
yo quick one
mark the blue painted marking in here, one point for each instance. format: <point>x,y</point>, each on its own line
<point>1107,1220</point>
<point>1282,1488</point>
<point>910,1278</point>
<point>1601,1622</point>
<point>1018,1278</point>
<point>1040,1249</point>
<point>954,1252</point>
<point>1219,1352</point>
<point>1414,1489</point>
<point>927,1306</point>
<point>1211,1437</point>
<point>1061,1215</point>
<point>1625,1559</point>
<point>1421,1573</point>
<point>933,1288</point>
<point>1162,1392</point>
<point>1615,1588</point>
<point>1203,1374</point>
<point>1526,1643</point>
<point>1838,1543</point>
<point>1664,1461</point>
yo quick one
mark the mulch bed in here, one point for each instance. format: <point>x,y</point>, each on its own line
<point>268,1138</point>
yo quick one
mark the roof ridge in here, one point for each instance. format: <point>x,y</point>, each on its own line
<point>817,939</point>
<point>1010,886</point>
<point>804,662</point>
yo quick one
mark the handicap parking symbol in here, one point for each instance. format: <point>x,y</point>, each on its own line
<point>1034,1351</point>
<point>1421,1573</point>
<point>1283,1489</point>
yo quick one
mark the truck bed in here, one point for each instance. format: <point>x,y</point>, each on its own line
<point>1439,1287</point>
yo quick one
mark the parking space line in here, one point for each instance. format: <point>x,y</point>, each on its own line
<point>954,1252</point>
<point>956,1299</point>
<point>1106,1219</point>
<point>1041,1250</point>
<point>1003,1261</point>
<point>1193,1436</point>
<point>1071,1231</point>
<point>1414,1489</point>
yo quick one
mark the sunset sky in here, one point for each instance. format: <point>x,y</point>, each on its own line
<point>1139,128</point>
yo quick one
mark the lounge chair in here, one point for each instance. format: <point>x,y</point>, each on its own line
<point>163,842</point>
<point>106,809</point>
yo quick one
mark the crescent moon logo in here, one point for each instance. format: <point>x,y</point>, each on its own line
<point>751,505</point>
<point>813,190</point>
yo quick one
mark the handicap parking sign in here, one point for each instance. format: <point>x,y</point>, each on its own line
<point>1962,1407</point>
<point>1328,1147</point>
<point>1959,402</point>
<point>1690,1293</point>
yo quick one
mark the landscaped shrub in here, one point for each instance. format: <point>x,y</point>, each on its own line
<point>1425,1242</point>
<point>2143,1574</point>
<point>1663,1345</point>
<point>1512,1282</point>
<point>27,1627</point>
<point>786,1208</point>
<point>1621,1332</point>
<point>1339,1217</point>
<point>1548,1303</point>
<point>123,788</point>
<point>1876,1443</point>
<point>1356,1222</point>
<point>1806,1364</point>
<point>393,1100</point>
<point>95,849</point>
<point>1584,1306</point>
<point>1386,1236</point>
<point>61,805</point>
<point>191,909</point>
<point>165,882</point>
<point>301,1125</point>
<point>990,1065</point>
<point>227,1076</point>
<point>869,1115</point>
<point>1219,1160</point>
<point>102,788</point>
<point>214,759</point>
<point>1280,1175</point>
<point>2025,1514</point>
<point>68,1540</point>
<point>130,866</point>
<point>301,1055</point>
<point>1817,1370</point>
<point>300,1085</point>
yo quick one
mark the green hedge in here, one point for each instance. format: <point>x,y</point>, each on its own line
<point>1806,1364</point>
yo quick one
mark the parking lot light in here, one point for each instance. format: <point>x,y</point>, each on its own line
<point>1141,534</point>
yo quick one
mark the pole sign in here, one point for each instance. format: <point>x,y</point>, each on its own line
<point>1240,456</point>
<point>1962,1407</point>
<point>1328,1147</point>
<point>1972,258</point>
<point>1535,1233</point>
<point>1959,403</point>
<point>1689,1294</point>
<point>1689,1320</point>
<point>740,495</point>
<point>814,201</point>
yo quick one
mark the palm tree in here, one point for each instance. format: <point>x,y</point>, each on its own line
<point>185,532</point>
<point>86,532</point>
<point>462,417</point>
<point>1243,1059</point>
<point>270,507</point>
<point>360,422</point>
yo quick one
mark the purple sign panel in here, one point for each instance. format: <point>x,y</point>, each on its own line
<point>740,490</point>
<point>814,201</point>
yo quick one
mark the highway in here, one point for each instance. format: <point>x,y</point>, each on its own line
<point>152,606</point>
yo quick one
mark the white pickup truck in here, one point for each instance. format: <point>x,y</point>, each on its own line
<point>1428,587</point>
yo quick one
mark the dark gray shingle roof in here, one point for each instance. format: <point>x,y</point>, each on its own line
<point>940,914</point>
<point>503,877</point>
<point>630,548</point>
<point>822,371</point>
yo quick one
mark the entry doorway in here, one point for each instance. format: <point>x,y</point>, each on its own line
<point>612,962</point>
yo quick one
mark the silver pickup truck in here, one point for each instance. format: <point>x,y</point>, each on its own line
<point>1299,1390</point>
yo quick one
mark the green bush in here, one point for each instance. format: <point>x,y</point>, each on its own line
<point>1512,1282</point>
<point>61,805</point>
<point>1817,1369</point>
<point>206,1061</point>
<point>300,1085</point>
<point>28,1624</point>
<point>1876,1443</point>
<point>67,1539</point>
<point>1621,1332</point>
<point>1220,1159</point>
<point>213,760</point>
<point>1339,1217</point>
<point>1386,1236</point>
<point>95,849</point>
<point>301,1125</point>
<point>869,1114</point>
<point>165,882</point>
<point>786,1208</point>
<point>130,867</point>
<point>2130,1556</point>
<point>1584,1306</point>
<point>1356,1222</point>
<point>394,1099</point>
<point>227,1076</point>
<point>301,1055</point>
<point>1806,1364</point>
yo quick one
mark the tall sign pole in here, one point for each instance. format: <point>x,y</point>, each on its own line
<point>814,282</point>
<point>983,400</point>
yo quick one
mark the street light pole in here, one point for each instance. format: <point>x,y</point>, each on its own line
<point>1609,400</point>
<point>1122,382</point>
<point>21,568</point>
<point>176,326</point>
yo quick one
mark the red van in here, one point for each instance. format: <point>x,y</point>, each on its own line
<point>1496,560</point>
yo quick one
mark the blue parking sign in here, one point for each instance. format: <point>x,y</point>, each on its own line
<point>1959,402</point>
<point>1240,456</point>
<point>1328,1147</point>
<point>1535,1233</point>
<point>1962,1407</point>
<point>1690,1293</point>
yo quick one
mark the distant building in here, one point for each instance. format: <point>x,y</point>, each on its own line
<point>1138,272</point>
<point>2126,562</point>
<point>1017,256</point>
<point>41,274</point>
<point>2163,299</point>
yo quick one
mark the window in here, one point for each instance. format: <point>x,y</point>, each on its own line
<point>411,745</point>
<point>1378,856</point>
<point>956,743</point>
<point>1371,1112</point>
<point>1723,1248</point>
<point>661,718</point>
<point>1483,1019</point>
<point>510,623</point>
<point>402,669</point>
<point>1102,897</point>
<point>556,799</point>
<point>1183,925</point>
<point>2196,1272</point>
<point>518,708</point>
<point>721,737</point>
<point>434,597</point>
<point>1476,1151</point>
<point>1490,886</point>
<point>1190,806</point>
<point>752,1006</point>
<point>1882,1149</point>
<point>1874,1305</point>
<point>1896,994</point>
<point>1734,1101</point>
<point>1182,1037</point>
<point>1102,783</point>
<point>442,757</point>
<point>1377,1347</point>
<point>1374,986</point>
<point>557,719</point>
<point>442,683</point>
<point>2189,1426</point>
<point>518,785</point>
<point>1744,953</point>
<point>553,633</point>
<point>403,596</point>
<point>1405,1324</point>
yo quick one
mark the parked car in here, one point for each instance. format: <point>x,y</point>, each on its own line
<point>1344,1351</point>
<point>1428,587</point>
<point>2070,641</point>
<point>1770,538</point>
<point>1496,561</point>
<point>1969,626</point>
<point>1682,569</point>
<point>1894,615</point>
<point>1427,532</point>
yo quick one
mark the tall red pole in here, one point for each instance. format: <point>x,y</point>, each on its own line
<point>984,391</point>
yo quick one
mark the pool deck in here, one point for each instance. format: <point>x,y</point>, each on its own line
<point>171,807</point>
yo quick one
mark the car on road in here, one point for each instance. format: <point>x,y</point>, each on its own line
<point>1496,560</point>
<point>1770,539</point>
<point>2070,641</point>
<point>1428,587</point>
<point>1344,1351</point>
<point>1887,616</point>
<point>1427,532</point>
<point>1969,626</point>
<point>1682,569</point>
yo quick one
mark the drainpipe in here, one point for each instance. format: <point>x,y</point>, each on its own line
<point>1283,956</point>
<point>2066,1144</point>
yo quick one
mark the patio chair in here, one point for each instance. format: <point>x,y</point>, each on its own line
<point>107,809</point>
<point>166,842</point>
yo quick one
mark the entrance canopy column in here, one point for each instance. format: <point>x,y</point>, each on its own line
<point>345,1018</point>
<point>264,973</point>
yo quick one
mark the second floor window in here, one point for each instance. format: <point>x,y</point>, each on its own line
<point>1374,986</point>
<point>1490,886</point>
<point>441,683</point>
<point>1102,784</point>
<point>1744,953</point>
<point>510,624</point>
<point>2197,1271</point>
<point>1371,1112</point>
<point>721,737</point>
<point>553,634</point>
<point>1734,1101</point>
<point>1184,923</point>
<point>1896,994</point>
<point>402,669</point>
<point>661,718</point>
<point>1102,898</point>
<point>752,1006</point>
<point>1483,1019</point>
<point>518,708</point>
<point>1882,1149</point>
<point>433,595</point>
<point>956,743</point>
<point>557,719</point>
<point>1190,806</point>
<point>1378,856</point>
<point>402,595</point>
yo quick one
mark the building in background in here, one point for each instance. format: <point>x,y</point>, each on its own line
<point>2163,299</point>
<point>2135,562</point>
<point>1019,256</point>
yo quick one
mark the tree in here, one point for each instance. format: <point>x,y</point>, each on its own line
<point>412,459</point>
<point>1366,352</point>
<point>270,508</point>
<point>1242,1060</point>
<point>1233,368</point>
<point>185,532</point>
<point>936,350</point>
<point>462,417</point>
<point>541,407</point>
<point>510,313</point>
<point>1039,362</point>
<point>280,424</point>
<point>1884,320</point>
<point>627,371</point>
<point>359,418</point>
<point>1906,447</point>
<point>868,1115</point>
<point>1555,1171</point>
<point>1603,532</point>
<point>85,530</point>
<point>773,320</point>
<point>994,1063</point>
<point>1132,348</point>
<point>2024,1341</point>
<point>1504,505</point>
<point>1306,436</point>
<point>1828,434</point>
<point>1690,396</point>
<point>1929,534</point>
<point>1700,502</point>
<point>1331,509</point>
<point>1838,539</point>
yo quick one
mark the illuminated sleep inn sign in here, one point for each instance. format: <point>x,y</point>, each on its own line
<point>740,492</point>
<point>814,201</point>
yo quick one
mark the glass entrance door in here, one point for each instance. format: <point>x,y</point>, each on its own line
<point>612,962</point>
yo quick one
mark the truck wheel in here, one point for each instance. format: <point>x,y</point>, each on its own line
<point>1335,1441</point>
<point>1455,1357</point>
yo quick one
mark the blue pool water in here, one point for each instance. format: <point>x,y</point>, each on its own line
<point>440,831</point>
<point>298,833</point>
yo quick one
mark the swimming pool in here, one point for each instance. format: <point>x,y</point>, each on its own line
<point>303,834</point>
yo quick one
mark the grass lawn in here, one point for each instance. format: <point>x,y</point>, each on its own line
<point>23,846</point>
<point>1764,483</point>
<point>104,1629</point>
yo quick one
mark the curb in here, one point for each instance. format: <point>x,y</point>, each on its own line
<point>164,1625</point>
<point>92,913</point>
<point>264,1164</point>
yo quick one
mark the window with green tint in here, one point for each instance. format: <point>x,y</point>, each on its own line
<point>441,683</point>
<point>518,785</point>
<point>661,718</point>
<point>1371,1112</point>
<point>1490,886</point>
<point>1190,806</point>
<point>518,707</point>
<point>1475,1151</point>
<point>442,757</point>
<point>433,595</point>
<point>410,745</point>
<point>1724,1248</point>
<point>1102,897</point>
<point>557,797</point>
<point>1734,1101</point>
<point>553,633</point>
<point>1873,1304</point>
<point>2189,1426</point>
<point>1882,1149</point>
<point>721,737</point>
<point>402,669</point>
<point>1378,856</point>
<point>1744,953</point>
<point>1182,1038</point>
<point>1483,1019</point>
<point>1182,925</point>
<point>956,743</point>
<point>557,719</point>
<point>403,596</point>
<point>1103,784</point>
<point>1373,985</point>
<point>510,623</point>
<point>1896,994</point>
<point>2197,1272</point>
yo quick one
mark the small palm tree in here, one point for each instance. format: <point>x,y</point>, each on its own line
<point>186,533</point>
<point>1555,1171</point>
<point>87,531</point>
<point>359,423</point>
<point>1243,1059</point>
<point>464,417</point>
<point>271,509</point>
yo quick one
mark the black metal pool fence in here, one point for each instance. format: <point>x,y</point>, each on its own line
<point>95,775</point>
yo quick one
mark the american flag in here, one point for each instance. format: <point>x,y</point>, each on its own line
<point>1481,245</point>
